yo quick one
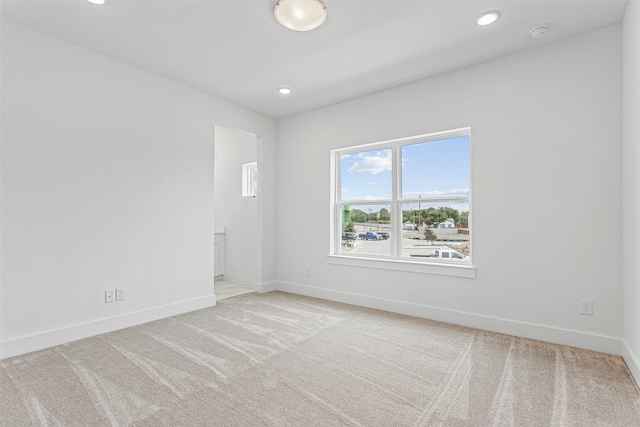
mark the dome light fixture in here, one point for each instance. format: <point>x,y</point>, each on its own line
<point>487,18</point>
<point>300,15</point>
<point>98,2</point>
<point>284,91</point>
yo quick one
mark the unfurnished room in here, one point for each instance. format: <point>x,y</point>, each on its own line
<point>320,213</point>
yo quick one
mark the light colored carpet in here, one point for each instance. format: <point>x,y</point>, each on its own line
<point>278,359</point>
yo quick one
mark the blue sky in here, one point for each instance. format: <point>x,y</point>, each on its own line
<point>430,169</point>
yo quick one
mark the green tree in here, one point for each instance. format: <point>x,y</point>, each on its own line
<point>464,219</point>
<point>434,216</point>
<point>430,235</point>
<point>451,213</point>
<point>358,215</point>
<point>349,227</point>
<point>384,215</point>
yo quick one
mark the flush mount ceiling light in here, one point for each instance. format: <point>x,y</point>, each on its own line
<point>96,1</point>
<point>488,18</point>
<point>284,91</point>
<point>300,15</point>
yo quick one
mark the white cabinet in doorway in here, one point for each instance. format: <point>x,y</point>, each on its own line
<point>218,255</point>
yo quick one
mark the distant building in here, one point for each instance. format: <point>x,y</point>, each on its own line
<point>447,223</point>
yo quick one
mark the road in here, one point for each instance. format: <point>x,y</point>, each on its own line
<point>383,247</point>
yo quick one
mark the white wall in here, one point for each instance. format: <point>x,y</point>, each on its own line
<point>107,181</point>
<point>546,153</point>
<point>234,213</point>
<point>631,187</point>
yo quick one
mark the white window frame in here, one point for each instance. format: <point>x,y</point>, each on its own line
<point>395,261</point>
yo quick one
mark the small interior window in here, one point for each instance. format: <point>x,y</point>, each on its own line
<point>250,179</point>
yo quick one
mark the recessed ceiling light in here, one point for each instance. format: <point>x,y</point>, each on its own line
<point>488,18</point>
<point>284,91</point>
<point>300,15</point>
<point>96,1</point>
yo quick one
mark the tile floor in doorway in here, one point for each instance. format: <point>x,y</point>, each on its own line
<point>224,289</point>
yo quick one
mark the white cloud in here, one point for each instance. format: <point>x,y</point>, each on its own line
<point>344,190</point>
<point>437,193</point>
<point>373,164</point>
<point>373,183</point>
<point>366,198</point>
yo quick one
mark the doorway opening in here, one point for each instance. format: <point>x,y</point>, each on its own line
<point>236,226</point>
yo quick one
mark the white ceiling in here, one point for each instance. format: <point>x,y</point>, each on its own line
<point>235,50</point>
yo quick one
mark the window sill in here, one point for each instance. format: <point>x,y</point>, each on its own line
<point>466,271</point>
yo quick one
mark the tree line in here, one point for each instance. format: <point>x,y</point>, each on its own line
<point>430,216</point>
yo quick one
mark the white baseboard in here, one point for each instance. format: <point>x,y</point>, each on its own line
<point>632,361</point>
<point>584,340</point>
<point>56,337</point>
<point>601,343</point>
<point>266,287</point>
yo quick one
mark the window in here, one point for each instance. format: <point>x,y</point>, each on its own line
<point>407,199</point>
<point>250,179</point>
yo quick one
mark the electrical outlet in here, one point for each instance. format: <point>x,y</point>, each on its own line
<point>119,294</point>
<point>586,307</point>
<point>109,296</point>
<point>308,271</point>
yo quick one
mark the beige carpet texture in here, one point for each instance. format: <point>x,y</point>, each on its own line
<point>278,359</point>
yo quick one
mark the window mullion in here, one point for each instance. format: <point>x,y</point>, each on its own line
<point>335,202</point>
<point>396,214</point>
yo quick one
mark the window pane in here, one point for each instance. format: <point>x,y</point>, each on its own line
<point>366,229</point>
<point>366,175</point>
<point>254,180</point>
<point>436,230</point>
<point>436,168</point>
<point>250,179</point>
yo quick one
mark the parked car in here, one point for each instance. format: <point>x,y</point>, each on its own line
<point>348,235</point>
<point>449,254</point>
<point>370,236</point>
<point>384,235</point>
